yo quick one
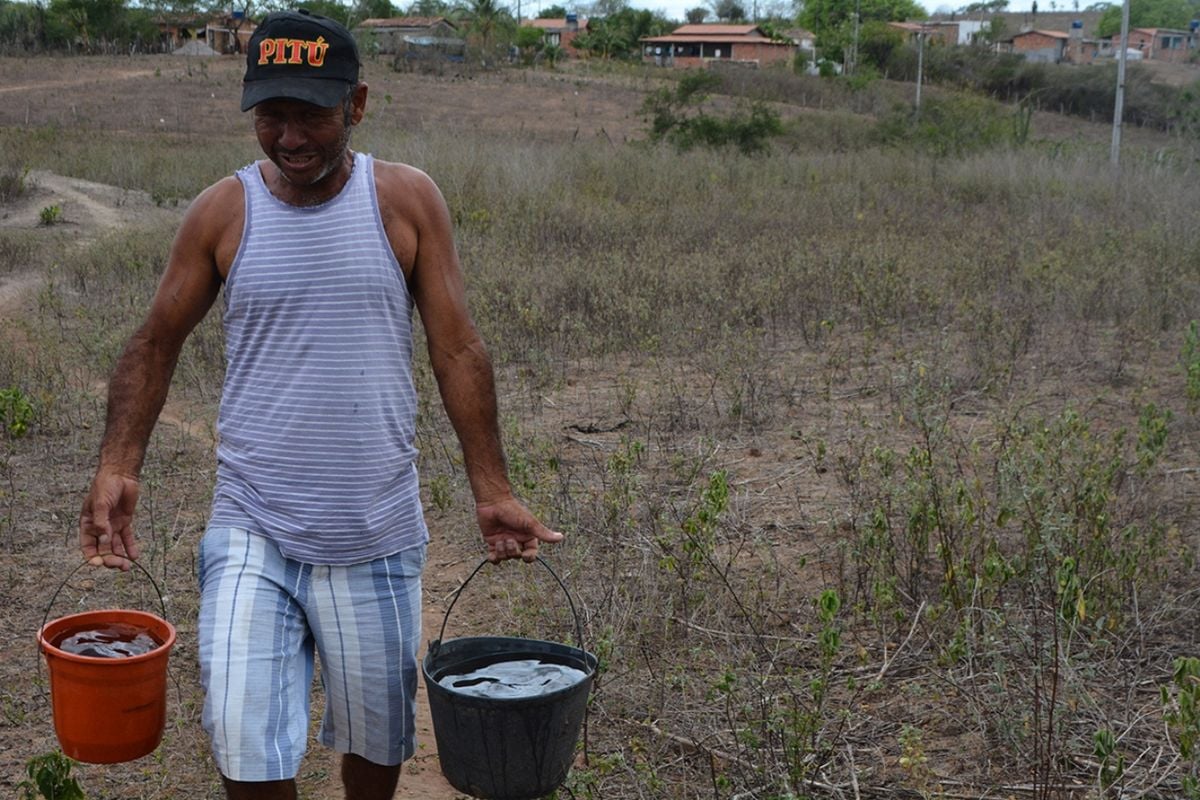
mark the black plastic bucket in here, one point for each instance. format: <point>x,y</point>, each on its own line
<point>506,748</point>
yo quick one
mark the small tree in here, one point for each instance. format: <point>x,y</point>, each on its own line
<point>529,42</point>
<point>730,10</point>
<point>696,15</point>
<point>994,31</point>
<point>877,42</point>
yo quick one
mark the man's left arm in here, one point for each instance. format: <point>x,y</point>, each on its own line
<point>420,231</point>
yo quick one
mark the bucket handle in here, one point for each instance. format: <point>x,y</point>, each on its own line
<point>49,606</point>
<point>482,564</point>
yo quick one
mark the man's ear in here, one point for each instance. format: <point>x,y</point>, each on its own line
<point>358,103</point>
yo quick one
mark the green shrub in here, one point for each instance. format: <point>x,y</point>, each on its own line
<point>50,215</point>
<point>950,125</point>
<point>674,116</point>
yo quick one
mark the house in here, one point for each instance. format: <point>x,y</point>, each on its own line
<point>700,45</point>
<point>1162,44</point>
<point>1081,49</point>
<point>1038,45</point>
<point>805,40</point>
<point>558,32</point>
<point>175,31</point>
<point>402,35</point>
<point>229,33</point>
<point>934,32</point>
<point>224,33</point>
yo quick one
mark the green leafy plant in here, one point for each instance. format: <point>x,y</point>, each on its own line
<point>50,215</point>
<point>915,761</point>
<point>16,412</point>
<point>1191,365</point>
<point>1112,761</point>
<point>1181,701</point>
<point>50,778</point>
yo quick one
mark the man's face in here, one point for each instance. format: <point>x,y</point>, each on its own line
<point>306,142</point>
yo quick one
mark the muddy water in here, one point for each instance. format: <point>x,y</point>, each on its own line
<point>514,679</point>
<point>111,640</point>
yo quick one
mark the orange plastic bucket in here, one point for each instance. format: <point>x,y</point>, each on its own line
<point>108,710</point>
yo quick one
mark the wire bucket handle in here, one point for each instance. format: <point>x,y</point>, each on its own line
<point>157,590</point>
<point>574,613</point>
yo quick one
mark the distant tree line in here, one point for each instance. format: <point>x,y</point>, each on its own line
<point>93,26</point>
<point>86,25</point>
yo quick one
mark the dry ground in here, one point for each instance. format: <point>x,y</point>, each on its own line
<point>164,94</point>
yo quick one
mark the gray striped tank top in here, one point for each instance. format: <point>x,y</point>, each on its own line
<point>318,409</point>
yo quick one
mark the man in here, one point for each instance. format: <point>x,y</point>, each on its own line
<point>316,538</point>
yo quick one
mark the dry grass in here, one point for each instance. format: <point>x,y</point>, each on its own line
<point>879,468</point>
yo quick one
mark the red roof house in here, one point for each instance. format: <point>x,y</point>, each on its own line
<point>698,45</point>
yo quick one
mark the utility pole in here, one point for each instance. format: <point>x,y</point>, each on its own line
<point>1119,108</point>
<point>921,68</point>
<point>854,52</point>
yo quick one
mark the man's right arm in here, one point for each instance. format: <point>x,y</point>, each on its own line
<point>199,258</point>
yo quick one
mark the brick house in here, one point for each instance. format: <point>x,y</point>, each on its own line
<point>1162,44</point>
<point>699,45</point>
<point>559,32</point>
<point>1037,45</point>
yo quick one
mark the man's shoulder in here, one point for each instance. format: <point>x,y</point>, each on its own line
<point>218,207</point>
<point>219,194</point>
<point>403,186</point>
<point>401,173</point>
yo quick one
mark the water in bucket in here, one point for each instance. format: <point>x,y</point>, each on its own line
<point>514,679</point>
<point>109,640</point>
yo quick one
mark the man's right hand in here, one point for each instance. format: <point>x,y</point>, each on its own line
<point>106,523</point>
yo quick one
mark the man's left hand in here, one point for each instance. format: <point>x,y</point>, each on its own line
<point>511,531</point>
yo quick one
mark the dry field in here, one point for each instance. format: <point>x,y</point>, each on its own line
<point>839,527</point>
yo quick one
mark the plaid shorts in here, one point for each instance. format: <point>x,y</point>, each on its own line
<point>261,617</point>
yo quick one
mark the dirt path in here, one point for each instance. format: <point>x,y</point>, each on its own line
<point>42,86</point>
<point>87,211</point>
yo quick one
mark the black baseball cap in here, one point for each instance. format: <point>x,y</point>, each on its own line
<point>301,56</point>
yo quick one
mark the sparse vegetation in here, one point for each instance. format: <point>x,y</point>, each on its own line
<point>876,461</point>
<point>14,182</point>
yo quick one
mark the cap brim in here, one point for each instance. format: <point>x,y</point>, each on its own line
<point>318,91</point>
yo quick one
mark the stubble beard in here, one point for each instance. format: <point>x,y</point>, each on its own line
<point>330,166</point>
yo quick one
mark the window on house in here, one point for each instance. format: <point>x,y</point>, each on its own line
<point>1172,43</point>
